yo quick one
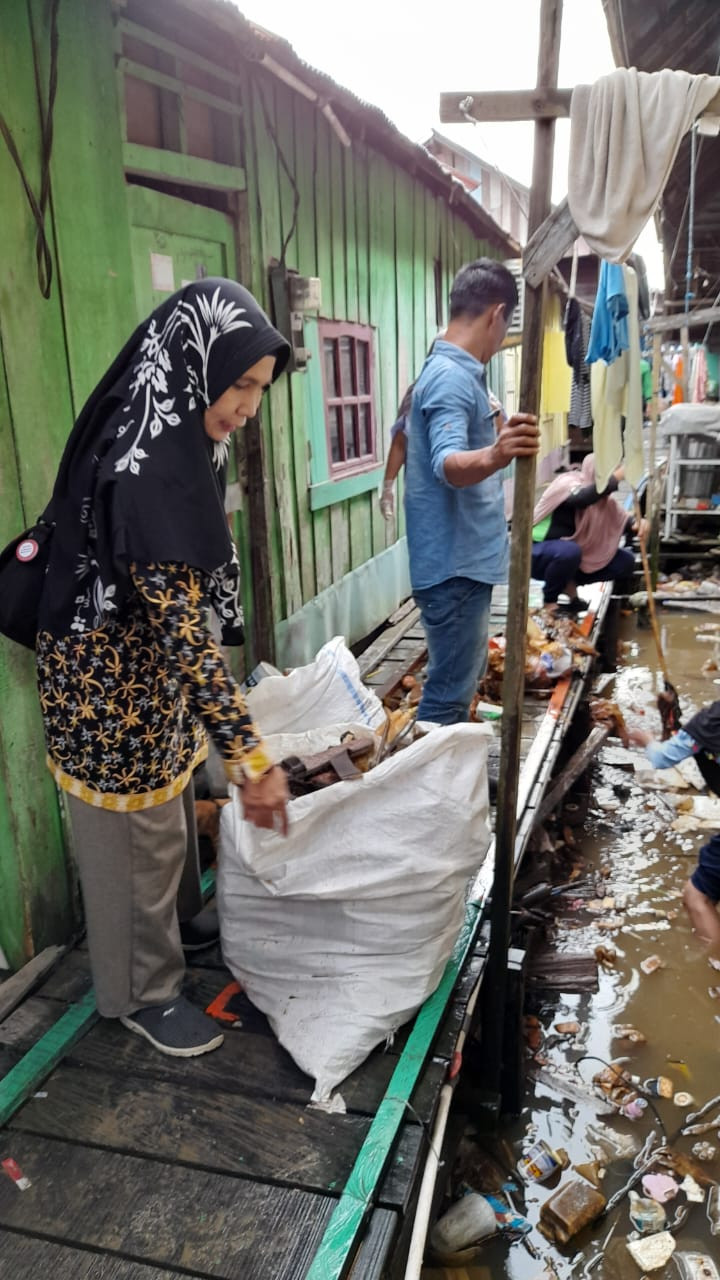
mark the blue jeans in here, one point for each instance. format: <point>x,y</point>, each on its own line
<point>706,876</point>
<point>455,616</point>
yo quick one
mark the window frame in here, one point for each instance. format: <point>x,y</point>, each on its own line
<point>175,163</point>
<point>335,331</point>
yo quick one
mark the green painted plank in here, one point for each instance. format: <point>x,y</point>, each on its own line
<point>445,255</point>
<point>410,282</point>
<point>383,314</point>
<point>283,427</point>
<point>35,418</point>
<point>352,308</point>
<point>339,515</point>
<point>172,166</point>
<point>125,27</point>
<point>89,211</point>
<point>305,123</point>
<point>252,275</point>
<point>360,1189</point>
<point>360,508</point>
<point>319,470</point>
<point>33,385</point>
<point>340,535</point>
<point>23,1079</point>
<point>361,514</point>
<point>432,243</point>
<point>184,89</point>
<point>265,207</point>
<point>330,492</point>
<point>336,154</point>
<point>422,279</point>
<point>154,209</point>
<point>362,228</point>
<point>405,280</point>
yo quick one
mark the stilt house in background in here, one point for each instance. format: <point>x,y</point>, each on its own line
<point>183,141</point>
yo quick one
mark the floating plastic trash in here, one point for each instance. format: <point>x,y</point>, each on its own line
<point>652,1252</point>
<point>696,1266</point>
<point>704,1151</point>
<point>540,1162</point>
<point>646,1215</point>
<point>660,1186</point>
<point>466,1222</point>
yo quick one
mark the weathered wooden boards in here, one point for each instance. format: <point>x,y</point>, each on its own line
<point>214,1165</point>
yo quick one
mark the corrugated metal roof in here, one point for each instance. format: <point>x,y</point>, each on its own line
<point>360,119</point>
<point>683,35</point>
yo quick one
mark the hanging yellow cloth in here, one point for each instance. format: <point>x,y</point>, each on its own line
<point>607,383</point>
<point>556,375</point>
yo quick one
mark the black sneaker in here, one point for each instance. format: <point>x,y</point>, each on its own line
<point>200,932</point>
<point>176,1028</point>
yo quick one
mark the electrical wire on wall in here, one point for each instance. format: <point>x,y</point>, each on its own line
<point>285,166</point>
<point>38,207</point>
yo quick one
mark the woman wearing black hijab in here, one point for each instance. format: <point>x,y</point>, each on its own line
<point>130,677</point>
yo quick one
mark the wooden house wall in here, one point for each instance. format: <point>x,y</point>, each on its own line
<point>368,229</point>
<point>371,233</point>
<point>52,352</point>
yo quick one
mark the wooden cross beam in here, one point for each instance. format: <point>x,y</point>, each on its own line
<point>549,242</point>
<point>508,104</point>
<point>685,319</point>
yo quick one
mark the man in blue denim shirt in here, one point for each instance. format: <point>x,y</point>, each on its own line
<point>456,530</point>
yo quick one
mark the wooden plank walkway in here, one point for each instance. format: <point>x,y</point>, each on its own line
<point>146,1167</point>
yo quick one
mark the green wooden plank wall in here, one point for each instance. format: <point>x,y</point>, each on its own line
<point>372,233</point>
<point>368,229</point>
<point>53,351</point>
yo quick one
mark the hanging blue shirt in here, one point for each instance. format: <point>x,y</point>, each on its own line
<point>609,329</point>
<point>452,532</point>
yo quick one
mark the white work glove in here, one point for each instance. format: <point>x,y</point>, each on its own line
<point>387,502</point>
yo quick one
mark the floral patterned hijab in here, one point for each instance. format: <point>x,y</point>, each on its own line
<point>140,480</point>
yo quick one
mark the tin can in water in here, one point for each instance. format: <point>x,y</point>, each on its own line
<point>539,1162</point>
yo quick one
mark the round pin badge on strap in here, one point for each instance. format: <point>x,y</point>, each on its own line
<point>26,550</point>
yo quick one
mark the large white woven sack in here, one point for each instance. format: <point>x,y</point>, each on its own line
<point>328,690</point>
<point>340,931</point>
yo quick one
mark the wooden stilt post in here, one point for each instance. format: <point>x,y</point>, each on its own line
<point>653,501</point>
<point>523,502</point>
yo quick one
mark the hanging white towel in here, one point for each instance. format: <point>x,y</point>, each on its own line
<point>625,131</point>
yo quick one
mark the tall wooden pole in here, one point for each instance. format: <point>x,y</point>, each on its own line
<point>520,547</point>
<point>652,500</point>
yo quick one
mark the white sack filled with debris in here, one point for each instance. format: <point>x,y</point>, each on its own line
<point>325,692</point>
<point>341,930</point>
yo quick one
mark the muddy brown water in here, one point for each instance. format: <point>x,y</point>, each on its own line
<point>648,866</point>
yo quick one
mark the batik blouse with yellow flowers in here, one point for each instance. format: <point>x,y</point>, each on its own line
<point>126,706</point>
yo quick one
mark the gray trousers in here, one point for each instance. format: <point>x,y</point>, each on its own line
<point>140,875</point>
